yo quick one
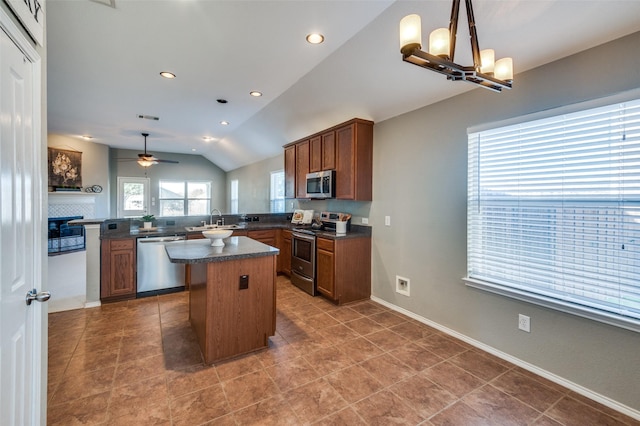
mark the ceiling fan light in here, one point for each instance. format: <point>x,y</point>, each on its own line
<point>439,42</point>
<point>487,61</point>
<point>410,33</point>
<point>146,163</point>
<point>504,69</point>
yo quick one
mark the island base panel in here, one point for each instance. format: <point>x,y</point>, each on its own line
<point>228,320</point>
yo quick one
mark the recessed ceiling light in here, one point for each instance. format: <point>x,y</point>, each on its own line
<point>207,138</point>
<point>224,123</point>
<point>167,74</point>
<point>315,38</point>
<point>87,137</point>
<point>255,93</point>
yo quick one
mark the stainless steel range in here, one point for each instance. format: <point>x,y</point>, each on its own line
<point>303,250</point>
<point>303,260</point>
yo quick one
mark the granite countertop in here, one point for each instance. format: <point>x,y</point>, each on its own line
<point>201,251</point>
<point>356,231</point>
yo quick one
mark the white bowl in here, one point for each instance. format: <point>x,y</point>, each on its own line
<point>216,236</point>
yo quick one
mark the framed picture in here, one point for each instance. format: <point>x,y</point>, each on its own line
<point>65,169</point>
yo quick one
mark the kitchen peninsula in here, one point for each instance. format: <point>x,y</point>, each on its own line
<point>232,294</point>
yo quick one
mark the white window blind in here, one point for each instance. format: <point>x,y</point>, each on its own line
<point>554,212</point>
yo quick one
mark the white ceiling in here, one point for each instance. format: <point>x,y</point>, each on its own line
<point>104,63</point>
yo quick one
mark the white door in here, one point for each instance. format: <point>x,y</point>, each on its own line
<point>133,196</point>
<point>22,334</point>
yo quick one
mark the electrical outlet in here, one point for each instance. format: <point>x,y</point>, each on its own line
<point>524,323</point>
<point>387,220</point>
<point>365,220</point>
<point>403,285</point>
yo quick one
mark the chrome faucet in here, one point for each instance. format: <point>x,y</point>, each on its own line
<point>220,221</point>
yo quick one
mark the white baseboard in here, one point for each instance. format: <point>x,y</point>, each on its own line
<point>92,304</point>
<point>520,363</point>
<point>66,304</point>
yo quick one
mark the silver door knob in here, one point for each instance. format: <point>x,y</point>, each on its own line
<point>32,295</point>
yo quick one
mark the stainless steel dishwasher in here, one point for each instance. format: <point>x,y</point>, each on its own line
<point>155,273</point>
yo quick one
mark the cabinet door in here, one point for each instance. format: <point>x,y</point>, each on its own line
<point>119,260</point>
<point>290,172</point>
<point>328,151</point>
<point>354,161</point>
<point>345,163</point>
<point>285,253</point>
<point>302,168</point>
<point>325,273</point>
<point>315,154</point>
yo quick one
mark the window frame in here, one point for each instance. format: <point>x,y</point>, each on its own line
<point>500,288</point>
<point>186,199</point>
<point>274,200</point>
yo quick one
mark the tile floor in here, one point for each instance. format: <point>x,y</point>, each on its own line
<point>138,363</point>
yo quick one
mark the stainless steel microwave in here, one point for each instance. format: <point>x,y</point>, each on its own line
<point>321,184</point>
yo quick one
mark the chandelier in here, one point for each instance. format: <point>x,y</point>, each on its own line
<point>485,71</point>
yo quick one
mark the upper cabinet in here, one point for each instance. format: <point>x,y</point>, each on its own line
<point>346,148</point>
<point>290,172</point>
<point>302,168</point>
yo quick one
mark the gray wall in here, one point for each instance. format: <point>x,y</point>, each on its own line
<point>95,167</point>
<point>254,183</point>
<point>420,166</point>
<point>190,167</point>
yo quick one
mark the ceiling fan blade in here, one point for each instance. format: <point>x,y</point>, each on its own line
<point>166,161</point>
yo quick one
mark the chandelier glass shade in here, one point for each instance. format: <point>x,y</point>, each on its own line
<point>485,71</point>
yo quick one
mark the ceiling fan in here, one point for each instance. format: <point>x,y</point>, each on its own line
<point>147,160</point>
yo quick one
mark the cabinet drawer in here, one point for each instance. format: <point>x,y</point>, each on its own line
<point>324,244</point>
<point>122,244</point>
<point>239,234</point>
<point>263,234</point>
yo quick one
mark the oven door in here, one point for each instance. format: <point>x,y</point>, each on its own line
<point>303,254</point>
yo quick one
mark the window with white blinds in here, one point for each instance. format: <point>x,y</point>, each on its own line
<point>554,212</point>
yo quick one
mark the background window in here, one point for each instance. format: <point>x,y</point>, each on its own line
<point>180,198</point>
<point>277,192</point>
<point>554,212</point>
<point>234,196</point>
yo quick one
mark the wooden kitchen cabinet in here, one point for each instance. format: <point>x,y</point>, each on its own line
<point>118,269</point>
<point>322,155</point>
<point>315,154</point>
<point>354,161</point>
<point>343,269</point>
<point>285,253</point>
<point>290,172</point>
<point>328,151</point>
<point>325,268</point>
<point>302,168</point>
<point>346,148</point>
<point>266,236</point>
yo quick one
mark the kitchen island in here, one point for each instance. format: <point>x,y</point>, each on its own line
<point>232,298</point>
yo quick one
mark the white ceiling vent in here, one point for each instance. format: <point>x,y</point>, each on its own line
<point>148,117</point>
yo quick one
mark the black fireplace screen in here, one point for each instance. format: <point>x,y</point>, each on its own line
<point>65,238</point>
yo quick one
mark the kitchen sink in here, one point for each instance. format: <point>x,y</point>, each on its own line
<point>205,227</point>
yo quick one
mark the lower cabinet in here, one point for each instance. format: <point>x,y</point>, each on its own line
<point>266,236</point>
<point>118,269</point>
<point>343,269</point>
<point>285,253</point>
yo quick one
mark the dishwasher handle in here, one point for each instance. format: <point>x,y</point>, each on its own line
<point>160,239</point>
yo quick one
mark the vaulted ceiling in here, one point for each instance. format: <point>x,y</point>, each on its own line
<point>104,59</point>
